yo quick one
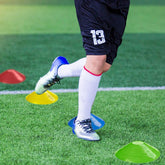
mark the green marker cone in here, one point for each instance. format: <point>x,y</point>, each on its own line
<point>138,152</point>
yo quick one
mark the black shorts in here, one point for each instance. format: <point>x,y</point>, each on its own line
<point>102,24</point>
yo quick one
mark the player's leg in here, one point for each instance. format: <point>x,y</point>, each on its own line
<point>88,85</point>
<point>72,70</point>
<point>101,29</point>
<point>97,64</point>
<point>96,47</point>
<point>60,68</point>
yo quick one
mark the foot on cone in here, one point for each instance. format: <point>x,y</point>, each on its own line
<point>97,122</point>
<point>84,130</point>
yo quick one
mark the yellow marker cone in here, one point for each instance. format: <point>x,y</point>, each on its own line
<point>45,98</point>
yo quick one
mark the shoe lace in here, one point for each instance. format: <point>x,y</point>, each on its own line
<point>53,81</point>
<point>87,126</point>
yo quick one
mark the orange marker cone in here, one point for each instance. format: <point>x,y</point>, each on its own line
<point>12,76</point>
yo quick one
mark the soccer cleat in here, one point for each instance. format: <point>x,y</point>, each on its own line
<point>83,129</point>
<point>51,77</point>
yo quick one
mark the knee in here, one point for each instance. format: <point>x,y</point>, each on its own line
<point>96,63</point>
<point>106,67</point>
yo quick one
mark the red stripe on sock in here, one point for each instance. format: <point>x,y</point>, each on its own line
<point>91,72</point>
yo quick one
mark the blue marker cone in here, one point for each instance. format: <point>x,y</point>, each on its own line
<point>97,122</point>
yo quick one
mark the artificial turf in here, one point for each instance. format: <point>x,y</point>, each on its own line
<point>36,134</point>
<point>140,60</point>
<point>32,34</point>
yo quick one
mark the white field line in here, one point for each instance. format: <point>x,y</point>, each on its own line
<point>76,90</point>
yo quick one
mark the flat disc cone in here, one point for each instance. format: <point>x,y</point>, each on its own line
<point>97,122</point>
<point>138,152</point>
<point>12,76</point>
<point>45,98</point>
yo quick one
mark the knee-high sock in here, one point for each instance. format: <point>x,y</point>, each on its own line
<point>88,86</point>
<point>72,70</point>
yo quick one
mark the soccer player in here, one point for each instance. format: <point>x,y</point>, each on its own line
<point>102,24</point>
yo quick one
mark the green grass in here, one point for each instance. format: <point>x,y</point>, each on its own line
<point>32,34</point>
<point>142,19</point>
<point>37,2</point>
<point>71,2</point>
<point>140,60</point>
<point>62,19</point>
<point>38,19</point>
<point>34,134</point>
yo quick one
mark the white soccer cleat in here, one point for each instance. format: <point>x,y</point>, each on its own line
<point>83,129</point>
<point>51,77</point>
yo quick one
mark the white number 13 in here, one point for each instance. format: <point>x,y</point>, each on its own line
<point>98,37</point>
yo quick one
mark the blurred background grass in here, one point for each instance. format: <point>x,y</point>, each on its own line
<point>71,2</point>
<point>32,34</point>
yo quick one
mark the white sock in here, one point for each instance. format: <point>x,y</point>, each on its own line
<point>72,70</point>
<point>88,85</point>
